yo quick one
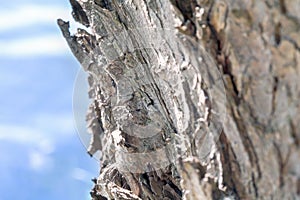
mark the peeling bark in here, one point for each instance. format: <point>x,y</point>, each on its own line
<point>192,99</point>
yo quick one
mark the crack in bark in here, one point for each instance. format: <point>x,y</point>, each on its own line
<point>247,142</point>
<point>254,184</point>
<point>294,135</point>
<point>274,92</point>
<point>232,178</point>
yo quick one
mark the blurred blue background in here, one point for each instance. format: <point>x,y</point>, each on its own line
<point>41,156</point>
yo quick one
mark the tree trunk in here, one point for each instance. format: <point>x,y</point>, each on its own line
<point>192,99</point>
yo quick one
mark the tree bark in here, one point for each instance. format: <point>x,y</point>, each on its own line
<point>192,99</point>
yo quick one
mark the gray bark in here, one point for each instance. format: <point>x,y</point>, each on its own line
<point>192,99</point>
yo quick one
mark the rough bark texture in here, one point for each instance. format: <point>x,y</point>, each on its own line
<point>193,99</point>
